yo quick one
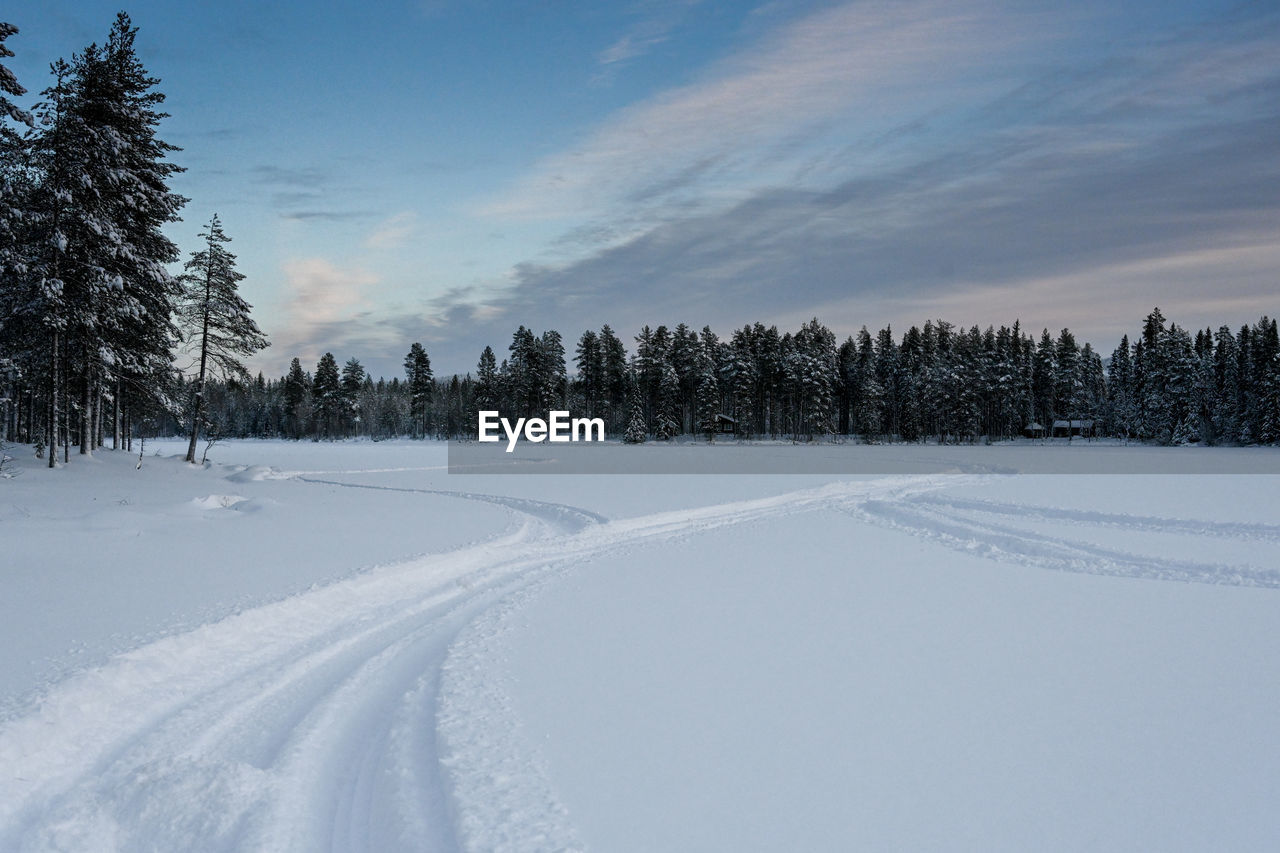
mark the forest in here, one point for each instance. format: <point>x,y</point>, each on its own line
<point>96,329</point>
<point>936,382</point>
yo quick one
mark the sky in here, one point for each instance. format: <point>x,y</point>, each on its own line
<point>444,171</point>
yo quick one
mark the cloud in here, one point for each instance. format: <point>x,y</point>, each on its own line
<point>325,215</point>
<point>322,299</point>
<point>392,232</point>
<point>1061,190</point>
<point>821,68</point>
<point>654,27</point>
<point>289,176</point>
<point>1068,223</point>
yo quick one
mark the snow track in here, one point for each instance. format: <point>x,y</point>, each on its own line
<point>319,722</point>
<point>357,715</point>
<point>967,525</point>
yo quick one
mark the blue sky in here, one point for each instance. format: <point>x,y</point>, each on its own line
<point>444,171</point>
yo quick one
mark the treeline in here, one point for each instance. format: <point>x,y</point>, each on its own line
<point>936,382</point>
<point>91,318</point>
<point>91,321</point>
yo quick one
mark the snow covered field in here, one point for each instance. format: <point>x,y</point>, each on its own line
<point>312,647</point>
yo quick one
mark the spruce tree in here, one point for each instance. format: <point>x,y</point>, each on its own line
<point>326,395</point>
<point>708,397</point>
<point>636,432</point>
<point>589,361</point>
<point>487,381</point>
<point>297,387</point>
<point>215,318</point>
<point>419,379</point>
<point>614,356</point>
<point>665,426</point>
<point>12,120</point>
<point>352,381</point>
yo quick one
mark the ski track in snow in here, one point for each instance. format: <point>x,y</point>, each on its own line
<point>950,522</point>
<point>343,718</point>
<point>356,716</point>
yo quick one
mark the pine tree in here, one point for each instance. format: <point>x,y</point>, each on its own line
<point>552,377</point>
<point>1226,379</point>
<point>11,222</point>
<point>811,371</point>
<point>326,395</point>
<point>140,333</point>
<point>524,373</point>
<point>297,388</point>
<point>636,432</point>
<point>215,318</point>
<point>9,83</point>
<point>868,400</point>
<point>353,377</point>
<point>614,355</point>
<point>12,118</point>
<point>1120,391</point>
<point>420,382</point>
<point>487,381</point>
<point>708,397</point>
<point>665,426</point>
<point>589,361</point>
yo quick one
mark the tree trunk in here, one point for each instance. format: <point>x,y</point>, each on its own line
<point>52,426</point>
<point>97,414</point>
<point>86,413</point>
<point>115,418</point>
<point>204,356</point>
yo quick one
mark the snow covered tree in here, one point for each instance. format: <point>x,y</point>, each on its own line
<point>487,380</point>
<point>215,318</point>
<point>94,276</point>
<point>665,425</point>
<point>12,118</point>
<point>1121,406</point>
<point>524,373</point>
<point>744,380</point>
<point>353,377</point>
<point>708,397</point>
<point>297,388</point>
<point>614,355</point>
<point>418,378</point>
<point>326,395</point>
<point>589,361</point>
<point>552,376</point>
<point>811,371</point>
<point>636,432</point>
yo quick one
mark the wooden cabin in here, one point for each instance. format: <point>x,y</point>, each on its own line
<point>1074,428</point>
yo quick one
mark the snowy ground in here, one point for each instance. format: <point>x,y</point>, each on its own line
<point>311,647</point>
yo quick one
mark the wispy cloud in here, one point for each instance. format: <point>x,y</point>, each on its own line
<point>325,215</point>
<point>320,299</point>
<point>1143,176</point>
<point>881,162</point>
<point>289,176</point>
<point>656,22</point>
<point>816,70</point>
<point>393,231</point>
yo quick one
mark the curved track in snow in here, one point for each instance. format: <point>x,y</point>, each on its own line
<point>990,529</point>
<point>312,723</point>
<point>350,717</point>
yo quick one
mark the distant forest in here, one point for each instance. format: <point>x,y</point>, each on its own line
<point>935,383</point>
<point>92,324</point>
